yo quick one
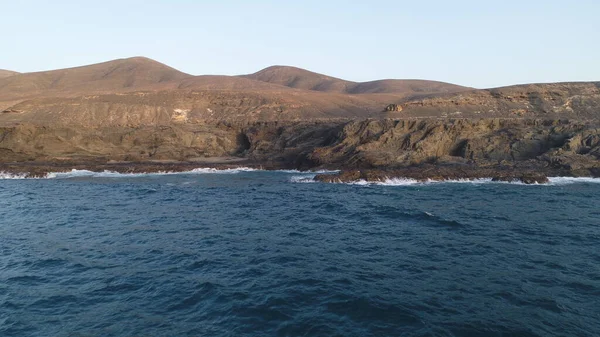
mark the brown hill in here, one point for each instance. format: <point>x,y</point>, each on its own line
<point>406,86</point>
<point>307,80</point>
<point>6,73</point>
<point>300,79</point>
<point>122,74</point>
<point>139,91</point>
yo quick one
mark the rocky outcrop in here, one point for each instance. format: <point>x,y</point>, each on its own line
<point>428,172</point>
<point>393,107</point>
<point>35,143</point>
<point>463,149</point>
<point>374,143</point>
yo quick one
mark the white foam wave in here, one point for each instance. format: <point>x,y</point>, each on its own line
<point>222,171</point>
<point>572,180</point>
<point>308,172</point>
<point>300,177</point>
<point>7,176</point>
<point>396,182</point>
<point>413,182</point>
<point>553,181</point>
<point>112,174</point>
<point>303,179</point>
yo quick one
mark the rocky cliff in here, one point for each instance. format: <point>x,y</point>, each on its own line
<point>551,146</point>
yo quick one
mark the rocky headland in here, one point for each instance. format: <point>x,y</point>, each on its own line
<point>137,115</point>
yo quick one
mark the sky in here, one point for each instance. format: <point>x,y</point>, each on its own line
<point>474,43</point>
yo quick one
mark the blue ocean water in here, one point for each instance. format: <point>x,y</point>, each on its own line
<point>264,254</point>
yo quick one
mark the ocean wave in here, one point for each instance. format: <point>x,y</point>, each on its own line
<point>307,176</point>
<point>572,180</point>
<point>7,175</point>
<point>553,181</point>
<point>298,177</point>
<point>113,174</point>
<point>414,182</point>
<point>303,179</point>
<point>308,172</point>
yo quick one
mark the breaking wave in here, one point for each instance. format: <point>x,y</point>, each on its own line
<point>572,180</point>
<point>299,177</point>
<point>553,181</point>
<point>6,175</point>
<point>113,174</point>
<point>309,172</point>
<point>303,179</point>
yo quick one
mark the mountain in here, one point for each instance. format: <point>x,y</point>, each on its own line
<point>7,73</point>
<point>133,90</point>
<point>139,91</point>
<point>406,86</point>
<point>307,80</point>
<point>118,75</point>
<point>300,79</point>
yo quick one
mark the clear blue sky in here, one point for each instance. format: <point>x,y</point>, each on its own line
<point>475,43</point>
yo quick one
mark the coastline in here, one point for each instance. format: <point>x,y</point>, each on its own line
<point>529,151</point>
<point>416,173</point>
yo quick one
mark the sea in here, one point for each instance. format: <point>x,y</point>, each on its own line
<point>244,252</point>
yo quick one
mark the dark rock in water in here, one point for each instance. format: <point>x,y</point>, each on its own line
<point>439,173</point>
<point>343,176</point>
<point>527,178</point>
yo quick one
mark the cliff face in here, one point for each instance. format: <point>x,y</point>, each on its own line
<point>39,143</point>
<point>390,144</point>
<point>572,148</point>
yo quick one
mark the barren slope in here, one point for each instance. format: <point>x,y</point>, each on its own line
<point>139,91</point>
<point>6,73</point>
<point>118,75</point>
<point>406,86</point>
<point>575,100</point>
<point>300,79</point>
<point>303,79</point>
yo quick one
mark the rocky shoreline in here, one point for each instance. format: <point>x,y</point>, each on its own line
<point>43,169</point>
<point>425,174</point>
<point>370,150</point>
<point>420,173</point>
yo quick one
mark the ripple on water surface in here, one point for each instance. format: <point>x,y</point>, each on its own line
<point>259,253</point>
